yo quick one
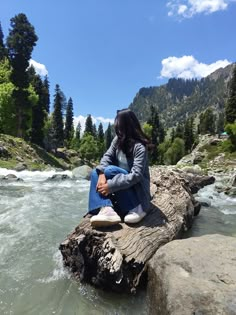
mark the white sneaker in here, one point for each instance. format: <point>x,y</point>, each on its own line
<point>135,215</point>
<point>106,217</point>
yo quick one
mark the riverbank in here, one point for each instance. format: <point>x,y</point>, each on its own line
<point>17,154</point>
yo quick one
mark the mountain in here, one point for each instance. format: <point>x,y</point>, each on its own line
<point>181,98</point>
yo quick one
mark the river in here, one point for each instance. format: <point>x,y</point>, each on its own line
<point>35,216</point>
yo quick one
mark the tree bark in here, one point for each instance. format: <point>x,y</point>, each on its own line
<point>115,258</point>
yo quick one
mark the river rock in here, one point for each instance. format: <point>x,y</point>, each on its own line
<point>83,172</point>
<point>20,167</point>
<point>205,202</point>
<point>59,177</point>
<point>4,152</point>
<point>194,276</point>
<point>195,169</point>
<point>11,178</point>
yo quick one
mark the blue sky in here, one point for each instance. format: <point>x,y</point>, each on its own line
<point>102,52</point>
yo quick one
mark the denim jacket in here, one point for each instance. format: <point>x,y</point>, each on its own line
<point>138,177</point>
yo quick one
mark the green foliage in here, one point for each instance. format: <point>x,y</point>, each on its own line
<point>162,149</point>
<point>57,119</point>
<point>7,109</point>
<point>207,122</point>
<point>76,140</point>
<point>231,130</point>
<point>108,137</point>
<point>3,51</point>
<point>88,147</point>
<point>101,140</point>
<point>7,106</point>
<point>220,123</point>
<point>89,125</point>
<point>20,42</point>
<point>179,97</point>
<point>175,152</point>
<point>147,129</point>
<point>39,113</point>
<point>230,108</point>
<point>188,134</point>
<point>69,127</point>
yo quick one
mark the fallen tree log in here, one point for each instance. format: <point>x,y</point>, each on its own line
<point>116,258</point>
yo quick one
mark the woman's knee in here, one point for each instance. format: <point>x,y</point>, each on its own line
<point>109,171</point>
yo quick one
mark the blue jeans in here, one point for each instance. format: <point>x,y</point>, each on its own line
<point>122,201</point>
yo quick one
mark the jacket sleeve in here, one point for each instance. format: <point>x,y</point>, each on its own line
<point>109,158</point>
<point>124,181</point>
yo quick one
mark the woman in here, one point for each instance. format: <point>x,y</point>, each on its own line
<point>120,185</point>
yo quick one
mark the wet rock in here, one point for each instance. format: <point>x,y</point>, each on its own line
<point>198,157</point>
<point>20,159</point>
<point>194,276</point>
<point>20,167</point>
<point>82,172</point>
<point>233,182</point>
<point>205,202</point>
<point>10,178</point>
<point>4,152</point>
<point>59,177</point>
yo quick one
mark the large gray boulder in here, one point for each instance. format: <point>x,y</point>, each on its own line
<point>82,172</point>
<point>194,276</point>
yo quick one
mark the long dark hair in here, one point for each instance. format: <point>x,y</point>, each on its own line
<point>128,131</point>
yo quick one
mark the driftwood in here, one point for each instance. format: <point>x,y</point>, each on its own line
<point>116,258</point>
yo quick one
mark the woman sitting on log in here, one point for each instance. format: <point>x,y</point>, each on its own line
<point>120,185</point>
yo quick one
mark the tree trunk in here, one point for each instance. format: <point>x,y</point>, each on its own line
<point>116,257</point>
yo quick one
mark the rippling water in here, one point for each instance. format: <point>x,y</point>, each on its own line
<point>35,216</point>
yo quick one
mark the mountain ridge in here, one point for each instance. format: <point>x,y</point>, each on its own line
<point>180,98</point>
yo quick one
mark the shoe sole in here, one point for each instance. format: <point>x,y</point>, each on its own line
<point>104,222</point>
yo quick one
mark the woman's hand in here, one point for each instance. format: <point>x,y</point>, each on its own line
<point>103,189</point>
<point>101,180</point>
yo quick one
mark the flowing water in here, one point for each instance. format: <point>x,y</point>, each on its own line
<point>35,216</point>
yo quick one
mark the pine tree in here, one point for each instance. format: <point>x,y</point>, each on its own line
<point>94,131</point>
<point>220,123</point>
<point>155,123</point>
<point>179,132</point>
<point>188,135</point>
<point>46,95</point>
<point>57,119</point>
<point>77,138</point>
<point>100,133</point>
<point>101,140</point>
<point>3,51</point>
<point>172,135</point>
<point>230,108</point>
<point>39,113</point>
<point>69,127</point>
<point>108,136</point>
<point>89,125</point>
<point>207,122</point>
<point>20,43</point>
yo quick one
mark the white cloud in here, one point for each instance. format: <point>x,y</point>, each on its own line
<point>96,120</point>
<point>39,67</point>
<point>188,67</point>
<point>188,8</point>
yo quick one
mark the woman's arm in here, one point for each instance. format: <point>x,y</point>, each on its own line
<point>109,158</point>
<point>124,181</point>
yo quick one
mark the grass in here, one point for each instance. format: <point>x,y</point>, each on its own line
<point>215,150</point>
